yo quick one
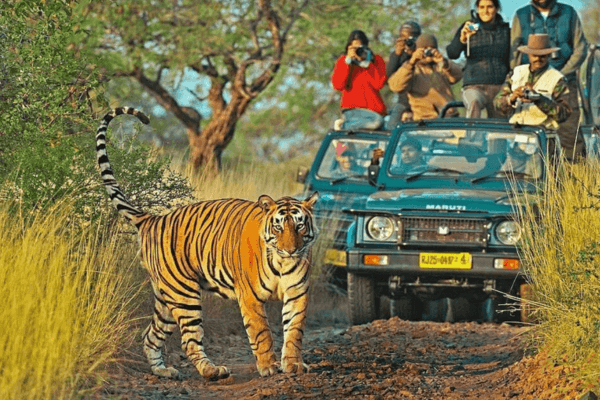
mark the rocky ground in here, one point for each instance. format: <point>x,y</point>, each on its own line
<point>387,359</point>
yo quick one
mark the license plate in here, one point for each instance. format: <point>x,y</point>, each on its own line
<point>445,260</point>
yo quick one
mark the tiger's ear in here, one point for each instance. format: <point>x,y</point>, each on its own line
<point>265,202</point>
<point>310,201</point>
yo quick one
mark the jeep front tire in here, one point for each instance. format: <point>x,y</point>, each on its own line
<point>362,299</point>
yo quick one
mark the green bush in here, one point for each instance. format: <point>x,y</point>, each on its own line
<point>47,93</point>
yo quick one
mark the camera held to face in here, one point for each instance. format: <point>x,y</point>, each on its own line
<point>362,52</point>
<point>410,42</point>
<point>428,53</point>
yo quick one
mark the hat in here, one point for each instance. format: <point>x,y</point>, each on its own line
<point>426,40</point>
<point>538,44</point>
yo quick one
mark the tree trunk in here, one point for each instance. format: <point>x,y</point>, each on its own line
<point>206,147</point>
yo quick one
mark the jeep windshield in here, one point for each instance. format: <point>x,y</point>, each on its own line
<point>472,154</point>
<point>348,158</point>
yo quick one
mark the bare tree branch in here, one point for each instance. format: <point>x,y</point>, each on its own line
<point>164,98</point>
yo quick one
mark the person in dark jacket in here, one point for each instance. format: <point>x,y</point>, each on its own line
<point>563,26</point>
<point>485,41</point>
<point>404,47</point>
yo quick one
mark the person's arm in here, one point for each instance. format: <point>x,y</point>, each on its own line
<point>379,75</point>
<point>516,34</point>
<point>502,101</point>
<point>456,46</point>
<point>579,49</point>
<point>393,63</point>
<point>558,107</point>
<point>451,70</point>
<point>341,71</point>
<point>401,80</point>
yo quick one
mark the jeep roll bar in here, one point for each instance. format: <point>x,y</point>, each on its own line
<point>449,105</point>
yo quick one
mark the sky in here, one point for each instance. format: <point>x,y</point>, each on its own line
<point>510,6</point>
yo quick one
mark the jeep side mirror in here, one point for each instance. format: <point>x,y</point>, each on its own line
<point>301,174</point>
<point>373,172</point>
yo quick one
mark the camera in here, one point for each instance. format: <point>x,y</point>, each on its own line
<point>531,95</point>
<point>411,42</point>
<point>361,51</point>
<point>473,27</point>
<point>428,53</point>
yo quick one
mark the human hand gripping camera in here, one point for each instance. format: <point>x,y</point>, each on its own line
<point>469,29</point>
<point>525,94</point>
<point>428,55</point>
<point>405,45</point>
<point>359,54</point>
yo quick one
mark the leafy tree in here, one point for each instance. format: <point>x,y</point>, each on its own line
<point>301,99</point>
<point>235,50</point>
<point>47,94</point>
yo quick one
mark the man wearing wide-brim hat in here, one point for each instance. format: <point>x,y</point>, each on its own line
<point>536,93</point>
<point>561,22</point>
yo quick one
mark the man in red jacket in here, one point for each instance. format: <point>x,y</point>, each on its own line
<point>359,74</point>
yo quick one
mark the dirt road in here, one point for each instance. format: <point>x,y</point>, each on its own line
<point>387,359</point>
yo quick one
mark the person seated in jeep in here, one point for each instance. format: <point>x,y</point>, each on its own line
<point>345,162</point>
<point>521,157</point>
<point>408,158</point>
<point>505,155</point>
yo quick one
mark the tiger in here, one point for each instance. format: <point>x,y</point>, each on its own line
<point>252,252</point>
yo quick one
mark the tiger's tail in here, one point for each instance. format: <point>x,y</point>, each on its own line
<point>117,197</point>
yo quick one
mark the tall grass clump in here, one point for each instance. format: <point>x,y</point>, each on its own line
<point>561,252</point>
<point>65,305</point>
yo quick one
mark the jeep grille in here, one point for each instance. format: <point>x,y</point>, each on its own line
<point>423,230</point>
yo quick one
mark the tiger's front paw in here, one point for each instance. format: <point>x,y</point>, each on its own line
<point>166,372</point>
<point>213,372</point>
<point>268,369</point>
<point>294,366</point>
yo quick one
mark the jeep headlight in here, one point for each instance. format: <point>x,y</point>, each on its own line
<point>380,228</point>
<point>508,232</point>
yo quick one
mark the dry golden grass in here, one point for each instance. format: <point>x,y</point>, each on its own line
<point>561,251</point>
<point>65,305</point>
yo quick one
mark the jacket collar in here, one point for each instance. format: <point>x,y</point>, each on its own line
<point>553,10</point>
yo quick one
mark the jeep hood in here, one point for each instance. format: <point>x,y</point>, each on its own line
<point>339,201</point>
<point>466,200</point>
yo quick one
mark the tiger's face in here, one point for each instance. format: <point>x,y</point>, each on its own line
<point>289,225</point>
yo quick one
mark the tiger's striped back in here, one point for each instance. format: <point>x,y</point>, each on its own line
<point>252,252</point>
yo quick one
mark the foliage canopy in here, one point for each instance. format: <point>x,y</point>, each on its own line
<point>47,116</point>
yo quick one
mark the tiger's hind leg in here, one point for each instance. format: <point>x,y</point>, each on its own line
<point>154,337</point>
<point>189,319</point>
